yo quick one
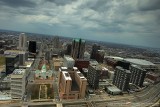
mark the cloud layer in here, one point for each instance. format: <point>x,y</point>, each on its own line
<point>134,22</point>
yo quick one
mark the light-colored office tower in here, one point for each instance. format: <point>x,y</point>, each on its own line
<point>22,42</point>
<point>18,83</point>
<point>72,84</point>
<point>68,61</point>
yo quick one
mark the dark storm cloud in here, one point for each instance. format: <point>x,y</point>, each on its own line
<point>17,3</point>
<point>102,19</point>
<point>61,2</point>
<point>146,5</point>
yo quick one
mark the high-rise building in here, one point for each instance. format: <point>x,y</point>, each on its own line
<point>12,63</point>
<point>32,47</point>
<point>78,48</point>
<point>137,75</point>
<point>72,84</point>
<point>93,76</point>
<point>68,61</point>
<point>18,83</point>
<point>100,56</point>
<point>69,48</point>
<point>22,41</point>
<point>121,78</point>
<point>22,58</point>
<point>94,51</point>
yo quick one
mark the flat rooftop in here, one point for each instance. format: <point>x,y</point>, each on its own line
<point>113,89</point>
<point>68,57</point>
<point>115,57</point>
<point>66,75</point>
<point>139,62</point>
<point>18,71</point>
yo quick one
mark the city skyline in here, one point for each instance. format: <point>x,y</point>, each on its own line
<point>133,22</point>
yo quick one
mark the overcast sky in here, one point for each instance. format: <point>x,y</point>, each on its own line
<point>135,22</point>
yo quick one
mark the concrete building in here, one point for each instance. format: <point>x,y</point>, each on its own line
<point>68,61</point>
<point>22,57</point>
<point>78,48</point>
<point>147,65</point>
<point>100,56</point>
<point>57,63</point>
<point>121,78</point>
<point>22,42</point>
<point>72,84</point>
<point>93,76</point>
<point>137,75</point>
<point>12,62</point>
<point>95,49</point>
<point>68,50</point>
<point>113,90</point>
<point>81,63</point>
<point>110,74</point>
<point>87,55</point>
<point>18,83</point>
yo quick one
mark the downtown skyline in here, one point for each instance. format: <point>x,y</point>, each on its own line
<point>133,22</point>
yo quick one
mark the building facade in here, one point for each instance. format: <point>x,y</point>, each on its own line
<point>68,61</point>
<point>12,63</point>
<point>121,78</point>
<point>32,47</point>
<point>93,76</point>
<point>18,83</point>
<point>22,58</point>
<point>78,48</point>
<point>72,84</point>
<point>22,41</point>
<point>137,75</point>
<point>94,51</point>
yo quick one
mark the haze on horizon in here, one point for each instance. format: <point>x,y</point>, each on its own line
<point>133,22</point>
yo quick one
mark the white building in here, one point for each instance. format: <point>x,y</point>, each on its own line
<point>22,41</point>
<point>18,83</point>
<point>87,55</point>
<point>68,61</point>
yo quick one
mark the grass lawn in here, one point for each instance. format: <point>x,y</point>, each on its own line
<point>35,91</point>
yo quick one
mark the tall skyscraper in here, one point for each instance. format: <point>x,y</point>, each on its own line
<point>32,47</point>
<point>12,63</point>
<point>94,51</point>
<point>78,48</point>
<point>22,41</point>
<point>69,48</point>
<point>121,78</point>
<point>137,75</point>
